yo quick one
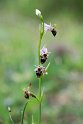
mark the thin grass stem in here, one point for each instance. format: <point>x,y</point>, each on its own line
<point>22,120</point>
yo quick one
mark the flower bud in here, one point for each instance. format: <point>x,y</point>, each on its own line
<point>9,109</point>
<point>38,13</point>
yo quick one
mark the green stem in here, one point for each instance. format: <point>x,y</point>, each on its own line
<point>40,81</point>
<point>40,38</point>
<point>25,108</point>
<point>39,44</point>
<point>36,98</point>
<point>23,112</point>
<point>11,118</point>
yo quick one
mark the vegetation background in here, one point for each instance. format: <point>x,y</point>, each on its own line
<point>63,86</point>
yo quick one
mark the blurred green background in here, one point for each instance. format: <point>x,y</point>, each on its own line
<point>63,86</point>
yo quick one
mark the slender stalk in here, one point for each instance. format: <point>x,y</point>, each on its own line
<point>11,118</point>
<point>40,79</point>
<point>22,119</point>
<point>39,44</point>
<point>40,38</point>
<point>23,112</point>
<point>32,120</point>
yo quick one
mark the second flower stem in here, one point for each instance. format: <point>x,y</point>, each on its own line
<point>24,112</point>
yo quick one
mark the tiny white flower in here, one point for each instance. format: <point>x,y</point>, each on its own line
<point>48,27</point>
<point>9,109</point>
<point>38,13</point>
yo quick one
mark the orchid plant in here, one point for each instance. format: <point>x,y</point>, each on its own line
<point>40,70</point>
